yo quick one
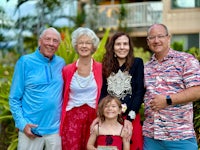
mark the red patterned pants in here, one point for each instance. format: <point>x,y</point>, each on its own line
<point>76,127</point>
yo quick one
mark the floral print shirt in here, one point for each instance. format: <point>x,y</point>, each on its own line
<point>176,72</point>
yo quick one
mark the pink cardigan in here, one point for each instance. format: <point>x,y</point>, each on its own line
<point>68,72</point>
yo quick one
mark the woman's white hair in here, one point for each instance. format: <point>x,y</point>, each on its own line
<point>84,31</point>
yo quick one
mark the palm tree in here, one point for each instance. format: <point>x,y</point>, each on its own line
<point>46,12</point>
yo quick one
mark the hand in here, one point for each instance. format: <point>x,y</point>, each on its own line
<point>27,131</point>
<point>128,127</point>
<point>95,121</point>
<point>158,102</point>
<point>125,134</point>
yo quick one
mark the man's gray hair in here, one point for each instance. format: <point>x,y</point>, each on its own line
<point>164,26</point>
<point>53,29</point>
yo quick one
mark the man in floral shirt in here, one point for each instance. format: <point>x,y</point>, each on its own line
<point>172,81</point>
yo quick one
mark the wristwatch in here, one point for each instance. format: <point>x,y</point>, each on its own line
<point>168,100</point>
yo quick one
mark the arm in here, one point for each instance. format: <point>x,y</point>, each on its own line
<point>191,83</point>
<point>16,94</point>
<point>94,123</point>
<point>137,83</point>
<point>126,143</point>
<point>188,95</point>
<point>92,139</point>
<point>128,127</point>
<point>15,99</point>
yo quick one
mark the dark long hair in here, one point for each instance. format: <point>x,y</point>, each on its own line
<point>110,62</point>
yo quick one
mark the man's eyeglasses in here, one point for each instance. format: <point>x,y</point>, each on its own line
<point>54,41</point>
<point>159,37</point>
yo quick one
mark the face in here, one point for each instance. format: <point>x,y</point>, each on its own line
<point>158,40</point>
<point>111,110</point>
<point>49,43</point>
<point>121,47</point>
<point>84,46</point>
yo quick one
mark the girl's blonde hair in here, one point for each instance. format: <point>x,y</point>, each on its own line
<point>103,104</point>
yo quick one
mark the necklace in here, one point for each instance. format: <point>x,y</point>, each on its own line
<point>80,81</point>
<point>84,82</point>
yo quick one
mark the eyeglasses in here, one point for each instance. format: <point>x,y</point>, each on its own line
<point>159,37</point>
<point>55,41</point>
<point>87,43</point>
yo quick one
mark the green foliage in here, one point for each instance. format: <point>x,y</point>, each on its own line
<point>7,127</point>
<point>98,55</point>
<point>177,45</point>
<point>79,19</point>
<point>122,24</point>
<point>194,51</point>
<point>145,55</point>
<point>8,58</point>
<point>66,50</point>
<point>197,120</point>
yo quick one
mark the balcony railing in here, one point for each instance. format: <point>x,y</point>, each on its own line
<point>137,15</point>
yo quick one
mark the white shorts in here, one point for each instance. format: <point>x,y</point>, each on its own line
<point>49,142</point>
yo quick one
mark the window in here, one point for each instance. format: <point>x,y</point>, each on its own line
<point>188,40</point>
<point>178,4</point>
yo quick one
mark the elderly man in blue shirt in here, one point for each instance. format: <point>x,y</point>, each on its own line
<point>36,95</point>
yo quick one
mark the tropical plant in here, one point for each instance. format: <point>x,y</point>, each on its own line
<point>122,17</point>
<point>66,50</point>
<point>177,45</point>
<point>194,51</point>
<point>7,128</point>
<point>32,23</point>
<point>98,56</point>
<point>140,52</point>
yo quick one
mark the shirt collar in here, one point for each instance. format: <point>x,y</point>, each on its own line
<point>170,54</point>
<point>42,57</point>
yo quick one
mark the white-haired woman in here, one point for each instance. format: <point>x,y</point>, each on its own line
<point>82,86</point>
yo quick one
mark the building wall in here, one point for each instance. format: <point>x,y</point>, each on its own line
<point>181,21</point>
<point>183,24</point>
